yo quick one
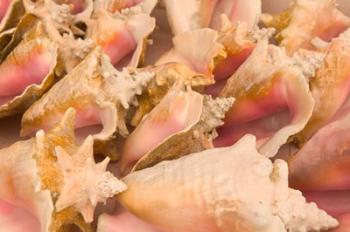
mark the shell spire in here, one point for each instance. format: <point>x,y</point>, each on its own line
<point>291,206</point>
<point>85,182</point>
<point>125,84</point>
<point>214,111</point>
<point>298,215</point>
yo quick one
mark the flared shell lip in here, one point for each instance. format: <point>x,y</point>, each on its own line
<point>33,91</point>
<point>183,131</point>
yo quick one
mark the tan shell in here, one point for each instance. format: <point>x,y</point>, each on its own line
<point>197,49</point>
<point>235,37</point>
<point>165,77</point>
<point>5,38</point>
<point>329,86</point>
<point>11,38</point>
<point>251,82</point>
<point>36,37</point>
<point>40,181</point>
<point>66,52</point>
<point>195,137</point>
<point>137,22</point>
<point>224,189</point>
<point>323,17</point>
<point>94,82</point>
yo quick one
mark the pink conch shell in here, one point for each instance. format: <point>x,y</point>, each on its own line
<point>165,77</point>
<point>323,19</point>
<point>324,159</point>
<point>176,111</point>
<point>331,85</point>
<point>247,11</point>
<point>197,49</point>
<point>34,59</point>
<point>27,72</point>
<point>273,100</point>
<point>32,176</point>
<point>123,222</point>
<point>223,189</point>
<point>182,123</point>
<point>10,13</point>
<point>122,36</point>
<point>100,94</point>
<point>238,44</point>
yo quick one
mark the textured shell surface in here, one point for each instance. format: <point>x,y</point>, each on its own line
<point>174,116</point>
<point>185,189</point>
<point>34,178</point>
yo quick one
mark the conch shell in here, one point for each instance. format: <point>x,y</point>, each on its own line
<point>326,159</point>
<point>182,123</point>
<point>238,44</point>
<point>99,93</point>
<point>223,189</point>
<point>36,56</point>
<point>166,76</point>
<point>321,167</point>
<point>330,86</point>
<point>273,100</point>
<point>122,36</point>
<point>238,41</point>
<point>42,187</point>
<point>197,49</point>
<point>20,84</point>
<point>323,19</point>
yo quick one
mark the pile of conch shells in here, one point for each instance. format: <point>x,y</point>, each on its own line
<point>174,116</point>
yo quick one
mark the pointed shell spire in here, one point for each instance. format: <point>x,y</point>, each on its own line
<point>298,215</point>
<point>85,182</point>
<point>213,114</point>
<point>292,208</point>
